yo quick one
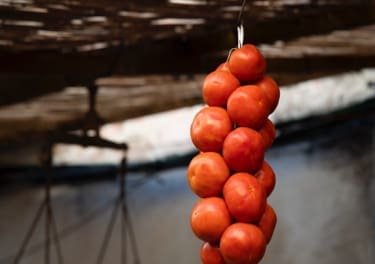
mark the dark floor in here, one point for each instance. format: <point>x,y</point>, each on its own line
<point>324,198</point>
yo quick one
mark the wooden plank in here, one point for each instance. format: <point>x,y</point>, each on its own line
<point>302,17</point>
<point>217,33</point>
<point>284,70</point>
<point>119,98</point>
<point>66,109</point>
<point>289,62</point>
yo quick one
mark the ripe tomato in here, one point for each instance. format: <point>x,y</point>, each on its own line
<point>218,86</point>
<point>242,244</point>
<point>271,90</point>
<point>244,197</point>
<point>211,254</point>
<point>268,133</point>
<point>207,173</point>
<point>223,67</point>
<point>209,128</point>
<point>266,178</point>
<point>209,218</point>
<point>268,222</point>
<point>247,63</point>
<point>243,150</point>
<point>247,107</point>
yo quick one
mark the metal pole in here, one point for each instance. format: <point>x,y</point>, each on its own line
<point>56,238</point>
<point>122,197</point>
<point>29,233</point>
<point>108,233</point>
<point>47,164</point>
<point>125,211</point>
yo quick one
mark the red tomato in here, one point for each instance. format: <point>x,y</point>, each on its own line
<point>247,63</point>
<point>211,254</point>
<point>243,150</point>
<point>268,133</point>
<point>271,90</point>
<point>247,107</point>
<point>207,173</point>
<point>218,86</point>
<point>268,222</point>
<point>244,197</point>
<point>210,127</point>
<point>242,244</point>
<point>209,218</point>
<point>266,178</point>
<point>223,67</point>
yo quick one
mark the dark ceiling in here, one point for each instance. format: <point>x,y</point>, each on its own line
<point>81,26</point>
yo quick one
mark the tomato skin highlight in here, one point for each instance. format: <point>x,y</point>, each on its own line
<point>272,92</point>
<point>247,107</point>
<point>209,219</point>
<point>268,223</point>
<point>266,177</point>
<point>217,87</point>
<point>207,173</point>
<point>243,150</point>
<point>245,197</point>
<point>209,129</point>
<point>247,63</point>
<point>211,254</point>
<point>242,243</point>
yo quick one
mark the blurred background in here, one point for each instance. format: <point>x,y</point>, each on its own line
<point>80,79</point>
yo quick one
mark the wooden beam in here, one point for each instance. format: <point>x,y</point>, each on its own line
<point>26,75</point>
<point>284,70</point>
<point>66,109</point>
<point>181,54</point>
<point>19,87</point>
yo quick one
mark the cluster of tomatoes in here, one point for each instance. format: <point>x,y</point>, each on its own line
<point>230,174</point>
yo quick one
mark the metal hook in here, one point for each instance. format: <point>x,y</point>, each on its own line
<point>240,35</point>
<point>240,27</point>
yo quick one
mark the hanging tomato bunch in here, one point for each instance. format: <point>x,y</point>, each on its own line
<point>230,174</point>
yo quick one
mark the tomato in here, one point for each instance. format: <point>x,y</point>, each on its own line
<point>223,67</point>
<point>218,86</point>
<point>268,133</point>
<point>243,150</point>
<point>244,197</point>
<point>268,222</point>
<point>209,218</point>
<point>247,63</point>
<point>266,178</point>
<point>247,107</point>
<point>271,90</point>
<point>232,133</point>
<point>210,127</point>
<point>211,254</point>
<point>207,173</point>
<point>242,244</point>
